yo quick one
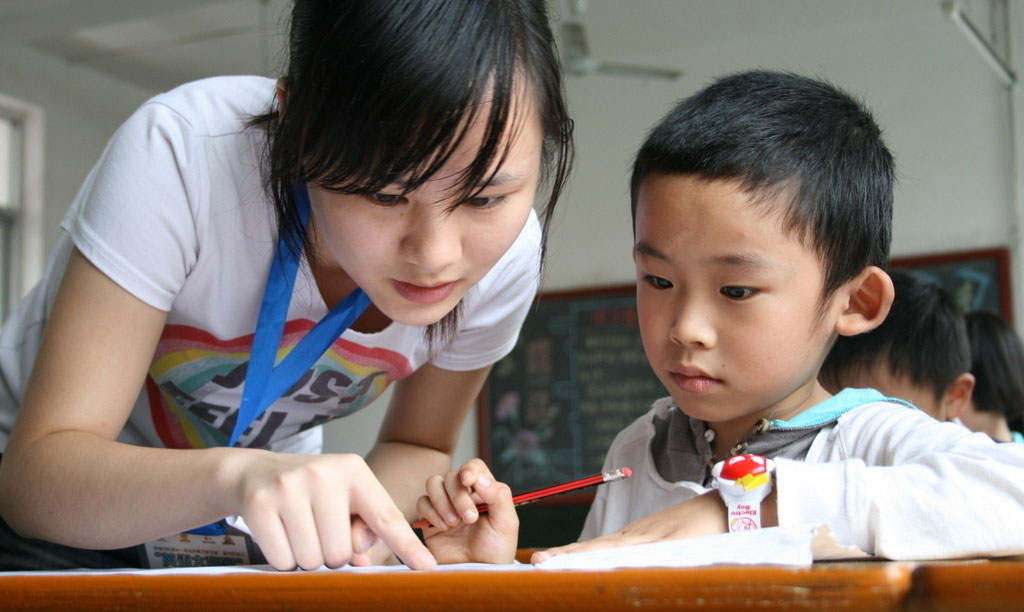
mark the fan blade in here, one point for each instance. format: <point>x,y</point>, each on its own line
<point>574,41</point>
<point>638,71</point>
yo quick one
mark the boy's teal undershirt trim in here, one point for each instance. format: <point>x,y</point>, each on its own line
<point>835,406</point>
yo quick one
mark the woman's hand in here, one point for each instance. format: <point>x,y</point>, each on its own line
<point>311,510</point>
<point>699,516</point>
<point>460,534</point>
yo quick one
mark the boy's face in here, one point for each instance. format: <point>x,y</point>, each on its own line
<point>729,303</point>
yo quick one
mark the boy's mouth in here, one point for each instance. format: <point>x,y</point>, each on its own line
<point>693,380</point>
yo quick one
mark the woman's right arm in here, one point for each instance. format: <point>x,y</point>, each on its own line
<point>66,479</point>
<point>63,477</point>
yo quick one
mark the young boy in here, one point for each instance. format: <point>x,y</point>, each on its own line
<point>762,211</point>
<point>920,353</point>
<point>997,363</point>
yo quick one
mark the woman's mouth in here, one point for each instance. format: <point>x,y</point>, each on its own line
<point>422,294</point>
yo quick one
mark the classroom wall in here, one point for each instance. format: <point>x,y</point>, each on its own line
<point>946,118</point>
<point>82,109</point>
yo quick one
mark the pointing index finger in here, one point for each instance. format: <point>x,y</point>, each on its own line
<point>371,502</point>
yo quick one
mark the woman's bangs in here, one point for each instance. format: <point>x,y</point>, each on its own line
<point>406,134</point>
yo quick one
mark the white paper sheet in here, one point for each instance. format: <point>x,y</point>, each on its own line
<point>796,545</point>
<point>266,569</point>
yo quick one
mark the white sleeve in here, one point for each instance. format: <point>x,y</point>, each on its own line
<point>494,310</point>
<point>619,503</point>
<point>135,216</point>
<point>901,485</point>
<point>594,525</point>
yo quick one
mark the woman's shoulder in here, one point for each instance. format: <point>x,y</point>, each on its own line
<point>217,105</point>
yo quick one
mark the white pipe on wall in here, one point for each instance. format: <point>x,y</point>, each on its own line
<point>956,14</point>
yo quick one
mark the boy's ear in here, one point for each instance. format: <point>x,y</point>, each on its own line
<point>958,395</point>
<point>866,302</point>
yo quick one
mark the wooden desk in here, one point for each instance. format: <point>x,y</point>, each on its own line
<point>873,586</point>
<point>989,586</point>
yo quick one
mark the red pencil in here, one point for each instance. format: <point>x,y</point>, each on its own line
<point>532,496</point>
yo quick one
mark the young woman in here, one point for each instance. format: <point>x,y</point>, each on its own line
<point>250,258</point>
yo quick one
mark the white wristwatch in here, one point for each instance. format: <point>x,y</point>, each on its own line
<point>743,482</point>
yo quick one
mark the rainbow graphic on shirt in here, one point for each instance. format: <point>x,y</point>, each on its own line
<point>195,385</point>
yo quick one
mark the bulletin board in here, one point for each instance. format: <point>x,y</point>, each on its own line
<point>977,279</point>
<point>577,376</point>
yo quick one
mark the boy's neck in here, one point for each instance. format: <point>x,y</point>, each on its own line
<point>730,433</point>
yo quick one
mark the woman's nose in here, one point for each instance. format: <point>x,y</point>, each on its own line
<point>432,240</point>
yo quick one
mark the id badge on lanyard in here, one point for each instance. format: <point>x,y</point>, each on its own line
<point>265,382</point>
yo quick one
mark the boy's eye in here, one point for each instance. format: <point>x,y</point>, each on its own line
<point>657,282</point>
<point>386,198</point>
<point>737,293</point>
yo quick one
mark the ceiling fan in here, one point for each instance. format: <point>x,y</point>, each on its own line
<point>577,60</point>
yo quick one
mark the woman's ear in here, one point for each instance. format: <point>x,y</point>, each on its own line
<point>867,298</point>
<point>282,95</point>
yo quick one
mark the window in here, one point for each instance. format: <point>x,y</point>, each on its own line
<point>21,239</point>
<point>10,173</point>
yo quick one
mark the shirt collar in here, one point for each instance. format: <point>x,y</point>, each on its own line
<point>834,407</point>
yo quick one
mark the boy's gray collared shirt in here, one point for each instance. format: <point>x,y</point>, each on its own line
<point>681,446</point>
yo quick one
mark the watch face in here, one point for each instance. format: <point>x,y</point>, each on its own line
<point>744,465</point>
<point>743,482</point>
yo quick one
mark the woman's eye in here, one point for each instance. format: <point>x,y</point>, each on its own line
<point>484,201</point>
<point>386,198</point>
<point>737,293</point>
<point>657,282</point>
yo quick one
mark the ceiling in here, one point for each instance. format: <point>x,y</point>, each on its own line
<point>153,44</point>
<point>157,44</point>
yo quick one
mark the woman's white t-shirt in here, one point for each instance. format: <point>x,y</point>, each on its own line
<point>175,212</point>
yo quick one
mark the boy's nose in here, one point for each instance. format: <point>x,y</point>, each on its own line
<point>691,327</point>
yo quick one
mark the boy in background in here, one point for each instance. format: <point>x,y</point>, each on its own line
<point>997,363</point>
<point>920,353</point>
<point>762,208</point>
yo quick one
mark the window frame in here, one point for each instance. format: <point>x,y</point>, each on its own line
<point>27,251</point>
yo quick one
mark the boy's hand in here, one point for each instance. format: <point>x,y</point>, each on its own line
<point>460,534</point>
<point>699,516</point>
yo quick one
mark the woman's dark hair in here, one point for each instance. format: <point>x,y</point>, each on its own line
<point>381,91</point>
<point>997,362</point>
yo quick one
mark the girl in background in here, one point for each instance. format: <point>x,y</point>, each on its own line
<point>997,362</point>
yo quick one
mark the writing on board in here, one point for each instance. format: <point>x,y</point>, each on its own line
<point>577,376</point>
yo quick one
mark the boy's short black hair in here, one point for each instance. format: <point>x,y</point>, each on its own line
<point>782,133</point>
<point>924,338</point>
<point>997,362</point>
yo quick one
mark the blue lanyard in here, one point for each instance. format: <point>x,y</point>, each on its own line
<point>265,383</point>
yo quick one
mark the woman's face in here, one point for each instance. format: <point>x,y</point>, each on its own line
<point>413,254</point>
